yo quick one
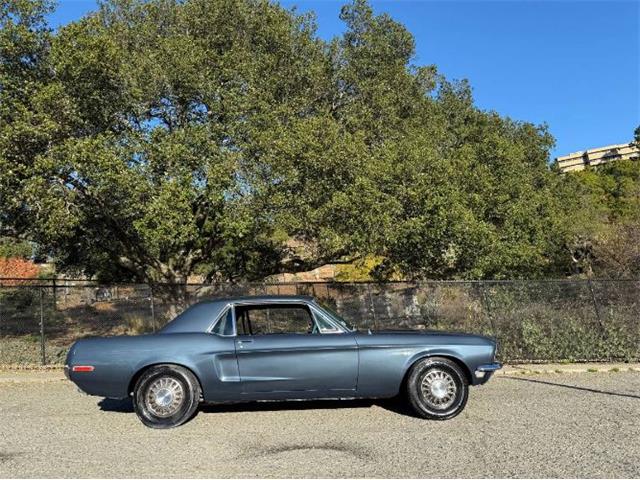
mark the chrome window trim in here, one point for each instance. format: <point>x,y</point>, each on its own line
<point>338,329</point>
<point>313,309</point>
<point>219,318</point>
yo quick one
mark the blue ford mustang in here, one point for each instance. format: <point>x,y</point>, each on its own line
<point>277,348</point>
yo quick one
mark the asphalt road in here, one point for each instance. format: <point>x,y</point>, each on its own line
<point>563,425</point>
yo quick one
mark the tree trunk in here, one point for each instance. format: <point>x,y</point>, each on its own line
<point>171,293</point>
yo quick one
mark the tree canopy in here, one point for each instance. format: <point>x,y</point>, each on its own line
<point>151,140</point>
<point>602,207</point>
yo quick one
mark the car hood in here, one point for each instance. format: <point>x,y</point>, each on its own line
<point>413,336</point>
<point>408,331</point>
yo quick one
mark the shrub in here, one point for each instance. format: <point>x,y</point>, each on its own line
<point>17,267</point>
<point>137,324</point>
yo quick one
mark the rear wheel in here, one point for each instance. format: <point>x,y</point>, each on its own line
<point>166,396</point>
<point>437,388</point>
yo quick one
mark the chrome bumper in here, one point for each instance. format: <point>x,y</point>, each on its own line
<point>66,372</point>
<point>487,368</point>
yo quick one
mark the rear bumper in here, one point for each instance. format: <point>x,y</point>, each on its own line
<point>66,372</point>
<point>484,372</point>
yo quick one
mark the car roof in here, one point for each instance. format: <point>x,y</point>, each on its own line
<point>264,298</point>
<point>200,316</point>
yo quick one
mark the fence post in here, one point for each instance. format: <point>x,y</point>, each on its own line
<point>595,306</point>
<point>373,308</point>
<point>42,351</point>
<point>55,296</point>
<point>153,310</point>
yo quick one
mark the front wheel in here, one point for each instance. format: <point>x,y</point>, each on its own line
<point>166,396</point>
<point>437,388</point>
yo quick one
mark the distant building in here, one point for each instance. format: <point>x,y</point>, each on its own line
<point>577,161</point>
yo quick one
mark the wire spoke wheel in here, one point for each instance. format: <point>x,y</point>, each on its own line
<point>165,397</point>
<point>438,389</point>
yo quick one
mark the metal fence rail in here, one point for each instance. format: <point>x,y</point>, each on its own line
<point>547,320</point>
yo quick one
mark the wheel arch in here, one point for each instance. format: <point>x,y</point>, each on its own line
<point>136,376</point>
<point>463,366</point>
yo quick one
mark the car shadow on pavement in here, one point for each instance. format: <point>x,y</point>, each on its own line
<point>573,387</point>
<point>124,405</point>
<point>395,405</point>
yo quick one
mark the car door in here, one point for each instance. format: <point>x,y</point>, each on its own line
<point>281,348</point>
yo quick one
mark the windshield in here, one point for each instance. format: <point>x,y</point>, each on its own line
<point>336,317</point>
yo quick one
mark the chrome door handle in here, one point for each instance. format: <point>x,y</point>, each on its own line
<point>242,342</point>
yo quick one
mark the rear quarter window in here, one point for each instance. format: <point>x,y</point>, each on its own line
<point>224,326</point>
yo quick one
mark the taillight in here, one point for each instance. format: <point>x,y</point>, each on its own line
<point>83,368</point>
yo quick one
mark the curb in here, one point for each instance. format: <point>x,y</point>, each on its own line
<point>22,381</point>
<point>20,374</point>
<point>567,368</point>
<point>9,367</point>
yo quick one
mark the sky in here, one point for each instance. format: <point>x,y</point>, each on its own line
<point>574,65</point>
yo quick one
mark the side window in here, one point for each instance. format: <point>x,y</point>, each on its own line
<point>273,319</point>
<point>242,321</point>
<point>224,325</point>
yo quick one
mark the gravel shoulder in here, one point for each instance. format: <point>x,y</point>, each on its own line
<point>544,425</point>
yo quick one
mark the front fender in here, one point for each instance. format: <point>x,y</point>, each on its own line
<point>468,357</point>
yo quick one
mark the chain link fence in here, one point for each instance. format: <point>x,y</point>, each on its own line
<point>561,320</point>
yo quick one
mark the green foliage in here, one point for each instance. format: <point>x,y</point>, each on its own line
<point>155,139</point>
<point>617,186</point>
<point>15,249</point>
<point>569,339</point>
<point>604,205</point>
<point>137,324</point>
<point>358,270</point>
<point>19,299</point>
<point>25,127</point>
<point>557,321</point>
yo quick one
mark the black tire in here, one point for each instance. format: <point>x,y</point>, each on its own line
<point>451,378</point>
<point>166,383</point>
